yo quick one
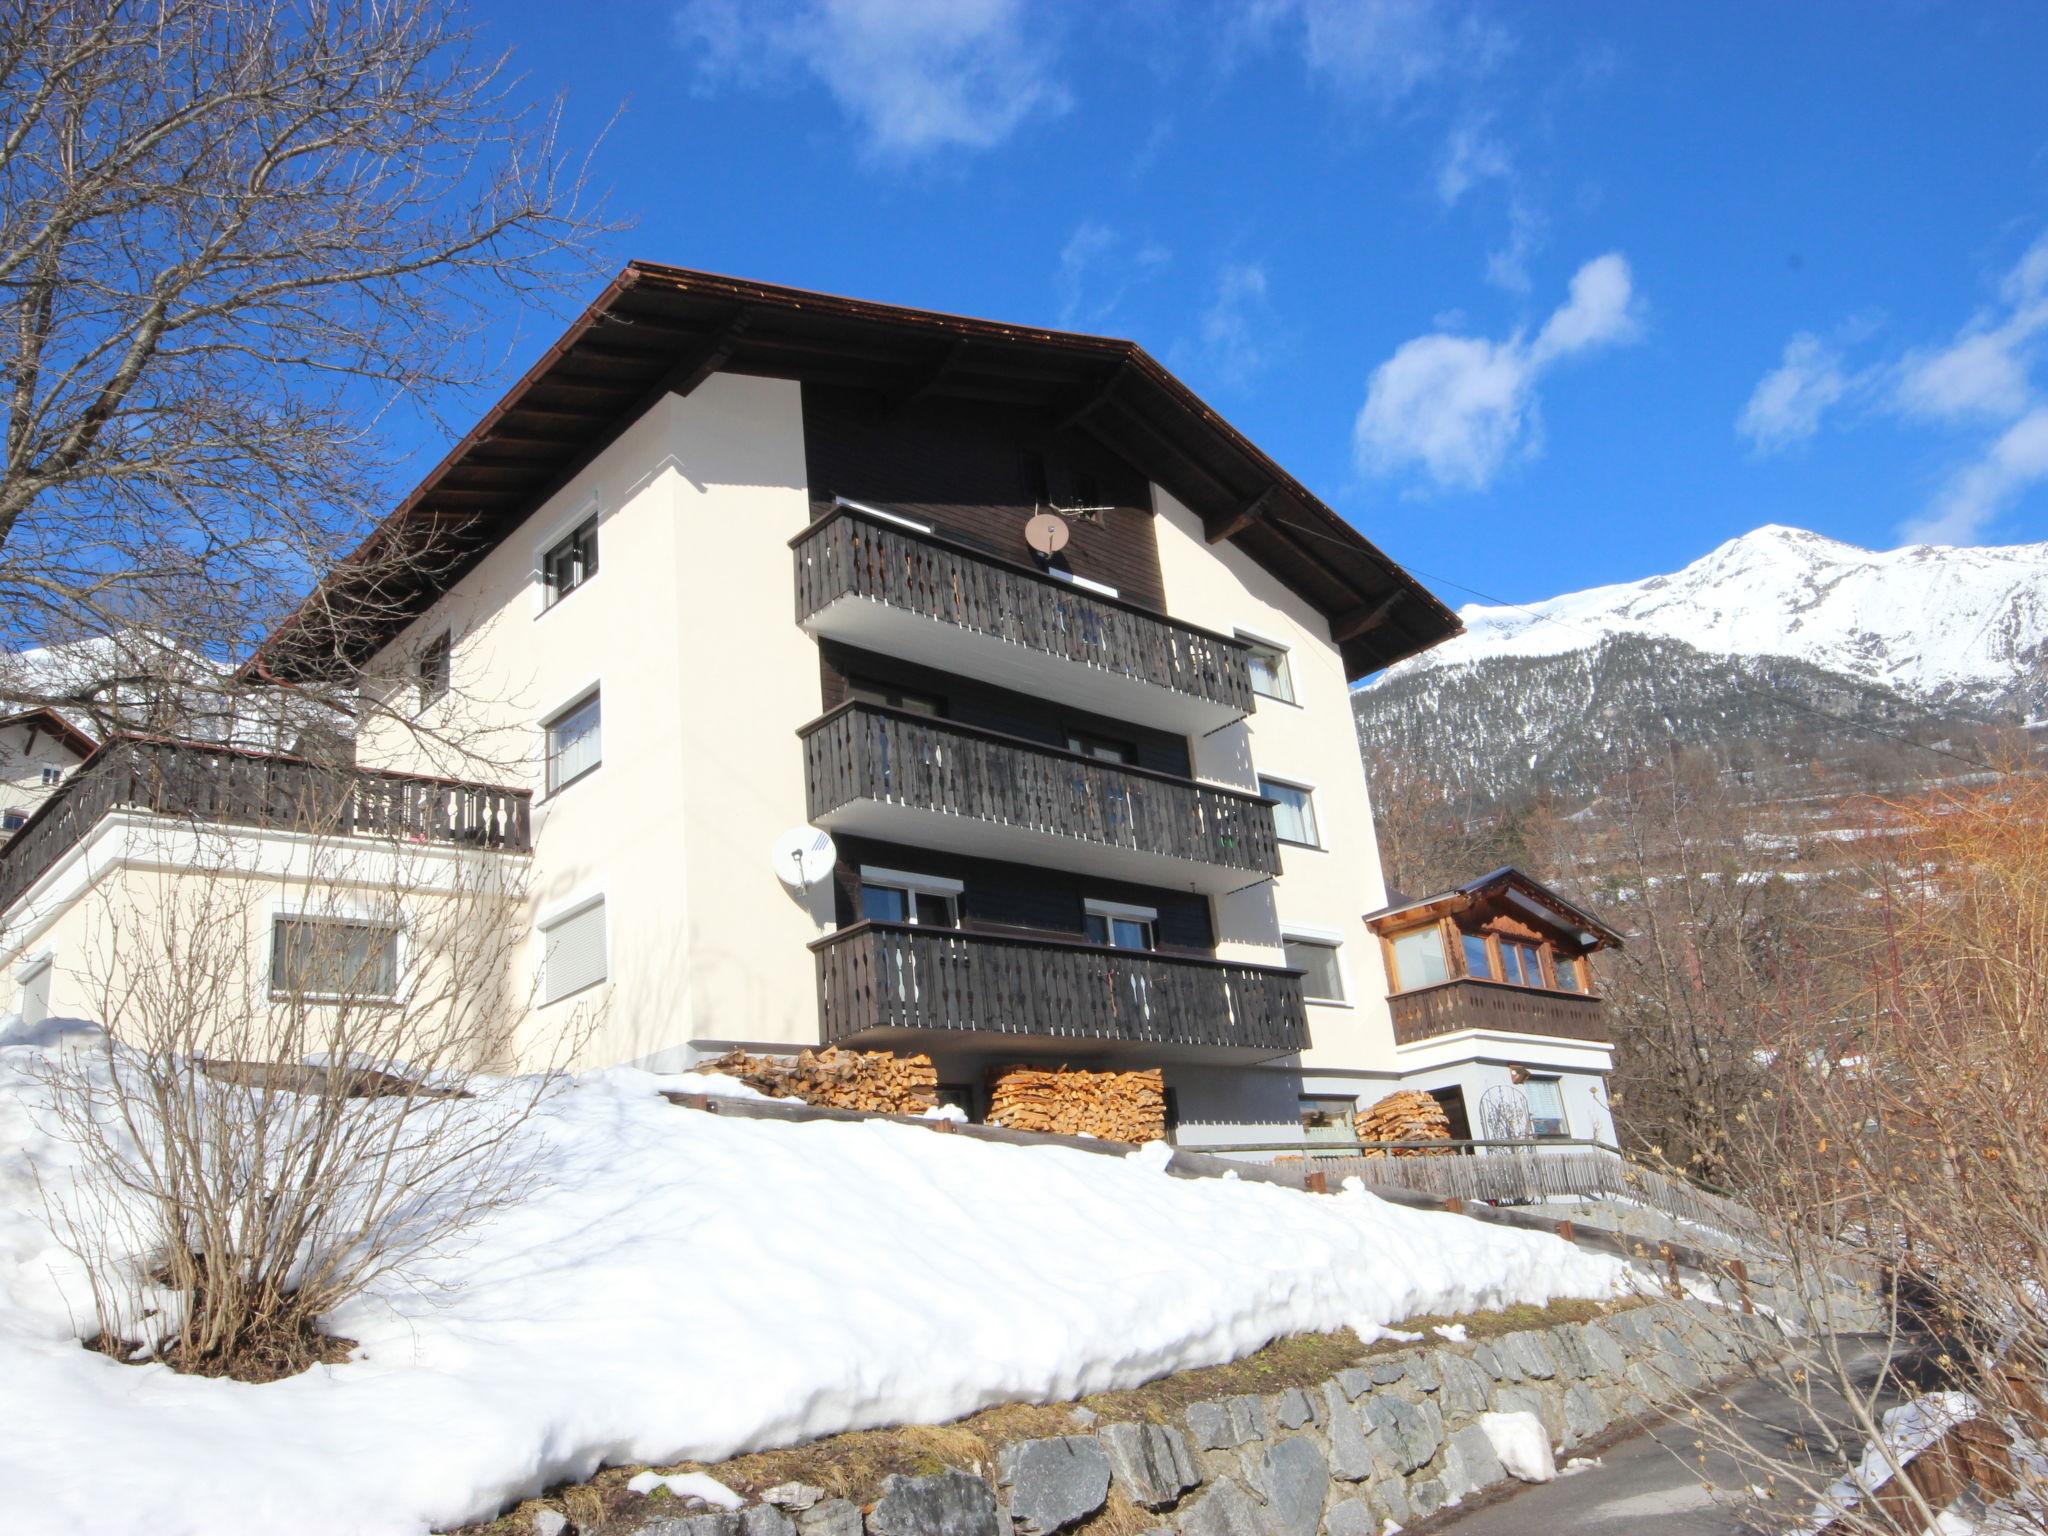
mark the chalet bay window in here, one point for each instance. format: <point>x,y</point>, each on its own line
<point>570,562</point>
<point>1419,958</point>
<point>1272,678</point>
<point>334,957</point>
<point>575,742</point>
<point>1478,956</point>
<point>1322,977</point>
<point>574,953</point>
<point>1521,964</point>
<point>1294,812</point>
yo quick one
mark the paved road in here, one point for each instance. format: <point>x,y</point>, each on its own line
<point>1640,1486</point>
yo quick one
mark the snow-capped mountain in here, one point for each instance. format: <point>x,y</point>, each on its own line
<point>1781,653</point>
<point>1929,621</point>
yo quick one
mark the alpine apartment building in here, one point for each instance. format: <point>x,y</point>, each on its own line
<point>817,739</point>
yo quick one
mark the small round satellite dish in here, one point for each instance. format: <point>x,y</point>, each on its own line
<point>1046,533</point>
<point>803,856</point>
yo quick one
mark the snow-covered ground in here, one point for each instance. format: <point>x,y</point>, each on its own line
<point>684,1285</point>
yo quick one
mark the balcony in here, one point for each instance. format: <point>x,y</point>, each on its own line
<point>222,786</point>
<point>1450,1006</point>
<point>885,587</point>
<point>908,778</point>
<point>883,983</point>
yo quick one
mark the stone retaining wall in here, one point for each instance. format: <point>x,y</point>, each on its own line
<point>1398,1437</point>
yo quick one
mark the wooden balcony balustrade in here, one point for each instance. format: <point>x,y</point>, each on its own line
<point>226,786</point>
<point>850,554</point>
<point>897,977</point>
<point>869,754</point>
<point>1463,1003</point>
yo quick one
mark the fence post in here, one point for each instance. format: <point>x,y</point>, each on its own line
<point>1670,1257</point>
<point>1564,1230</point>
<point>1455,1206</point>
<point>1316,1183</point>
<point>1740,1271</point>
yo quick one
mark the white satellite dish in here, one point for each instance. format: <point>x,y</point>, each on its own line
<point>803,856</point>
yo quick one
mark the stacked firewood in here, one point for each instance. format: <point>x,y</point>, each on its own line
<point>880,1082</point>
<point>1115,1106</point>
<point>1404,1116</point>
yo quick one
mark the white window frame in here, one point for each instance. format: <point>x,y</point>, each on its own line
<point>1111,910</point>
<point>914,885</point>
<point>1291,696</point>
<point>554,917</point>
<point>350,912</point>
<point>1564,1109</point>
<point>592,690</point>
<point>52,775</point>
<point>557,531</point>
<point>1307,789</point>
<point>1327,939</point>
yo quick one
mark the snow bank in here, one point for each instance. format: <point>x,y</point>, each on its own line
<point>684,1285</point>
<point>1522,1444</point>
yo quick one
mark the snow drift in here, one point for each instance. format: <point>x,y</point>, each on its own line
<point>683,1285</point>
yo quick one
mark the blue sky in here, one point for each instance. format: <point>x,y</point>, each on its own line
<point>1537,295</point>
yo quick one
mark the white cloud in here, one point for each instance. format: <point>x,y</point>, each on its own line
<point>918,76</point>
<point>1233,341</point>
<point>2017,460</point>
<point>1508,267</point>
<point>1788,402</point>
<point>1472,154</point>
<point>1099,265</point>
<point>1388,48</point>
<point>1457,408</point>
<point>1983,373</point>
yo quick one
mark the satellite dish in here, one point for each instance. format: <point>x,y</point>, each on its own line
<point>803,856</point>
<point>1047,533</point>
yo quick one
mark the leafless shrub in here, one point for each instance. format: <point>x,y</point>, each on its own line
<point>293,1098</point>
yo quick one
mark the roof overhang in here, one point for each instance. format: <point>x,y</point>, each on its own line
<point>657,331</point>
<point>56,727</point>
<point>1532,896</point>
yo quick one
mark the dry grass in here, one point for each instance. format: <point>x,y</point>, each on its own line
<point>852,1466</point>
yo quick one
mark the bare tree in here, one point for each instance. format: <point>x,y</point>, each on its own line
<point>231,233</point>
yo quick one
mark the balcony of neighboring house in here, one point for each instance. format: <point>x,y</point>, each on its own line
<point>1504,954</point>
<point>907,777</point>
<point>200,784</point>
<point>869,579</point>
<point>883,985</point>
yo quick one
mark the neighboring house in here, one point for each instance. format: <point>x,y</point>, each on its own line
<point>745,565</point>
<point>1496,1009</point>
<point>39,748</point>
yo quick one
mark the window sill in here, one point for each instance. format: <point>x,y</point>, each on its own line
<point>1288,842</point>
<point>335,999</point>
<point>549,797</point>
<point>548,607</point>
<point>1274,698</point>
<point>1329,1002</point>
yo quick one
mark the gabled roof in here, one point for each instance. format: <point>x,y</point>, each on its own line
<point>1505,881</point>
<point>657,330</point>
<point>55,726</point>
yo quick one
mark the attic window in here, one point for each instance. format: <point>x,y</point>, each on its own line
<point>571,562</point>
<point>436,667</point>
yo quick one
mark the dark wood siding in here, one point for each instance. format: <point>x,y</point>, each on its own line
<point>996,709</point>
<point>1021,898</point>
<point>977,472</point>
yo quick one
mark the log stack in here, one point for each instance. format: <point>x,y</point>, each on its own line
<point>879,1082</point>
<point>1408,1115</point>
<point>1114,1106</point>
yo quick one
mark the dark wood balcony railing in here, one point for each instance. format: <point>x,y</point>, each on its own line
<point>226,786</point>
<point>1454,1005</point>
<point>849,554</point>
<point>870,752</point>
<point>889,976</point>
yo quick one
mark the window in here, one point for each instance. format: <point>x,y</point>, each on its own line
<point>1323,979</point>
<point>865,691</point>
<point>1272,678</point>
<point>1294,816</point>
<point>575,742</point>
<point>570,563</point>
<point>1419,959</point>
<point>1569,976</point>
<point>1546,1107</point>
<point>333,957</point>
<point>1478,958</point>
<point>891,896</point>
<point>574,953</point>
<point>1117,926</point>
<point>53,776</point>
<point>10,821</point>
<point>1521,964</point>
<point>1101,748</point>
<point>436,666</point>
<point>1326,1120</point>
